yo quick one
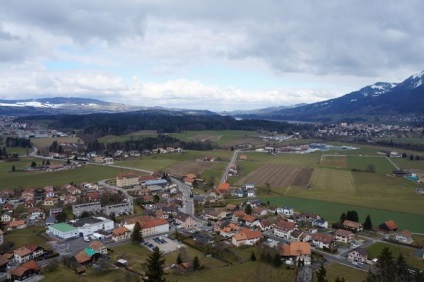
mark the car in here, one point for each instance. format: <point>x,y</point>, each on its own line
<point>289,262</point>
<point>87,239</point>
<point>354,263</point>
<point>270,240</point>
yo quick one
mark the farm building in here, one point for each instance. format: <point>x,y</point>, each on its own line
<point>388,226</point>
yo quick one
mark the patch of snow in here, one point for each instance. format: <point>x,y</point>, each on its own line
<point>365,94</point>
<point>417,75</point>
<point>419,83</point>
<point>353,100</point>
<point>379,87</point>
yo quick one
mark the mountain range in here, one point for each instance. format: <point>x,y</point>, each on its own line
<point>382,100</point>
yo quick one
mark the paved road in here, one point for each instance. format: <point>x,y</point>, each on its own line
<point>227,170</point>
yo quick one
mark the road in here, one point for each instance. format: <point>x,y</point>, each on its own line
<point>227,170</point>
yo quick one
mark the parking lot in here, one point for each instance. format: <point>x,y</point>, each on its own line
<point>166,245</point>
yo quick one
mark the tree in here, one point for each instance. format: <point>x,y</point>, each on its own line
<point>338,279</point>
<point>61,217</point>
<point>253,256</point>
<point>13,168</point>
<point>136,236</point>
<point>248,209</point>
<point>33,164</point>
<point>277,260</point>
<point>342,217</point>
<point>179,259</point>
<point>156,199</point>
<point>196,263</point>
<point>368,224</point>
<point>352,216</point>
<point>401,269</point>
<point>322,274</point>
<point>370,168</point>
<point>48,162</point>
<point>155,264</point>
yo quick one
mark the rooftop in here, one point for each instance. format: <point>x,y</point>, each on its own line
<point>63,227</point>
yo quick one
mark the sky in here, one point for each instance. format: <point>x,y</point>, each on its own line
<point>215,55</point>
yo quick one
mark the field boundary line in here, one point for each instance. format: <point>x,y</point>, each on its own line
<point>291,181</point>
<point>392,163</point>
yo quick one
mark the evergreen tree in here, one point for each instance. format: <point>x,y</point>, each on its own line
<point>136,236</point>
<point>253,256</point>
<point>352,216</point>
<point>339,279</point>
<point>248,209</point>
<point>179,259</point>
<point>268,258</point>
<point>155,264</point>
<point>401,268</point>
<point>342,217</point>
<point>368,223</point>
<point>33,164</point>
<point>61,217</point>
<point>13,168</point>
<point>322,274</point>
<point>277,260</point>
<point>48,162</point>
<point>196,263</point>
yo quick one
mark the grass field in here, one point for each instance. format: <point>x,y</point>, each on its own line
<point>26,236</point>
<point>375,250</point>
<point>89,173</point>
<point>133,136</point>
<point>381,164</point>
<point>331,211</point>
<point>335,270</point>
<point>43,144</point>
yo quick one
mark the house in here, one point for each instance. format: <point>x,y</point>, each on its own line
<point>203,237</point>
<point>299,236</point>
<point>120,233</point>
<point>266,224</point>
<point>22,254</point>
<point>284,228</point>
<point>35,213</point>
<point>226,229</point>
<point>223,188</point>
<point>320,223</point>
<point>185,220</point>
<point>246,237</point>
<point>238,193</point>
<point>297,251</point>
<point>238,215</point>
<point>231,207</point>
<point>352,225</point>
<point>25,271</point>
<point>288,211</point>
<point>344,236</point>
<point>83,257</point>
<point>6,217</point>
<point>4,263</point>
<point>214,213</point>
<point>323,241</point>
<point>358,254</point>
<point>98,247</point>
<point>250,221</point>
<point>388,226</point>
<point>36,251</point>
<point>243,158</point>
<point>16,224</point>
<point>251,193</point>
<point>49,201</point>
<point>260,211</point>
<point>404,236</point>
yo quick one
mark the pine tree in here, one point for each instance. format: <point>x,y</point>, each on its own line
<point>13,168</point>
<point>368,223</point>
<point>322,274</point>
<point>136,236</point>
<point>402,273</point>
<point>155,264</point>
<point>253,256</point>
<point>196,263</point>
<point>342,217</point>
<point>339,279</point>
<point>248,209</point>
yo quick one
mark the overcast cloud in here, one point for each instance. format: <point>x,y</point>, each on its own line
<point>217,55</point>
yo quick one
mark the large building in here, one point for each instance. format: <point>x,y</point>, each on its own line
<point>91,207</point>
<point>120,208</point>
<point>95,207</point>
<point>90,225</point>
<point>127,179</point>
<point>62,230</point>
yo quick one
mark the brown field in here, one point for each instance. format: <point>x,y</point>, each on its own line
<point>185,167</point>
<point>302,177</point>
<point>333,161</point>
<point>275,175</point>
<point>45,143</point>
<point>213,138</point>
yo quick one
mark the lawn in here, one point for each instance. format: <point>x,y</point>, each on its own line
<point>376,248</point>
<point>335,270</point>
<point>26,236</point>
<point>132,136</point>
<point>245,272</point>
<point>332,211</point>
<point>63,274</point>
<point>89,173</point>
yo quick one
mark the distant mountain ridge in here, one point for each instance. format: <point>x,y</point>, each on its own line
<point>373,101</point>
<point>76,105</point>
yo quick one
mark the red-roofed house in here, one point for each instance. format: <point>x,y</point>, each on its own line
<point>223,188</point>
<point>284,228</point>
<point>297,251</point>
<point>246,237</point>
<point>352,225</point>
<point>127,179</point>
<point>388,226</point>
<point>322,240</point>
<point>344,236</point>
<point>120,233</point>
<point>404,236</point>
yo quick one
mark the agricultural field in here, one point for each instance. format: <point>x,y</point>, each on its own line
<point>335,161</point>
<point>381,164</point>
<point>375,250</point>
<point>350,274</point>
<point>89,173</point>
<point>275,176</point>
<point>43,144</point>
<point>185,167</point>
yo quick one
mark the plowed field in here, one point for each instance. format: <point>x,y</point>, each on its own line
<point>182,168</point>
